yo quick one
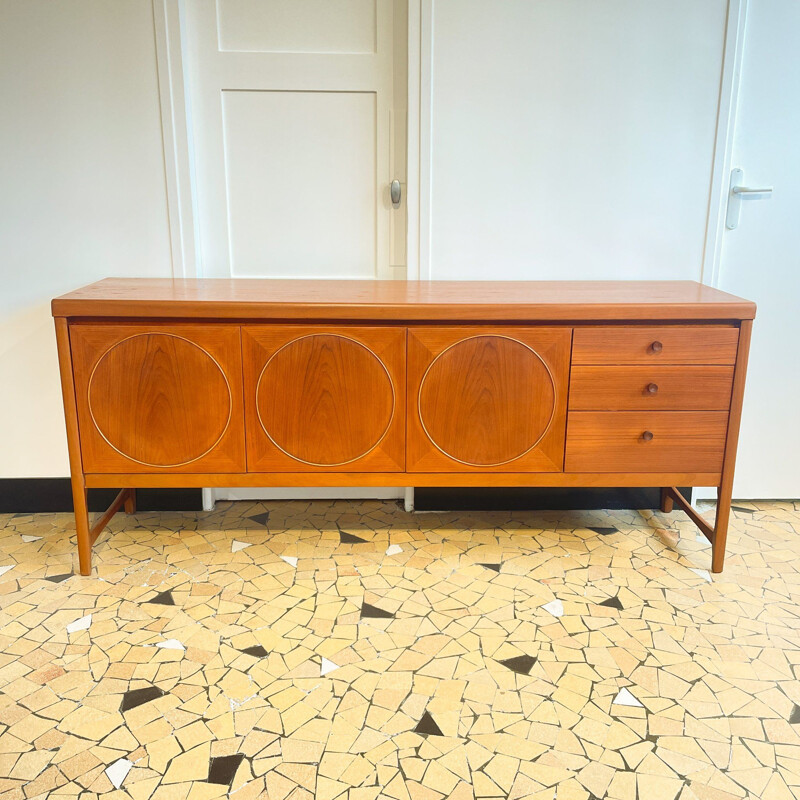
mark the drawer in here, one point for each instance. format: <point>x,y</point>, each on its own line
<point>615,441</point>
<point>657,387</point>
<point>651,344</point>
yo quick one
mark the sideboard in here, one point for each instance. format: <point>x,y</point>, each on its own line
<point>192,383</point>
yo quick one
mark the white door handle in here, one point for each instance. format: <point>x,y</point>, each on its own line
<point>736,190</point>
<point>748,190</point>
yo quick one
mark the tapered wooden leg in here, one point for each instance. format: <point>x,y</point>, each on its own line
<point>130,502</point>
<point>82,527</point>
<point>74,447</point>
<point>667,503</point>
<point>725,491</point>
<point>721,527</point>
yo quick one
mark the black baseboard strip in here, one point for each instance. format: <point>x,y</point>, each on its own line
<point>40,495</point>
<point>535,499</point>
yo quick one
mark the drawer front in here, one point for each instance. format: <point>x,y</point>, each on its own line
<point>616,441</point>
<point>657,388</point>
<point>159,397</point>
<point>662,344</point>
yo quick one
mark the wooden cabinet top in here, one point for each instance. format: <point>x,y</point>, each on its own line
<point>401,301</point>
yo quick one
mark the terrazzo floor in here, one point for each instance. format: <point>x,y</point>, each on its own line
<point>350,650</point>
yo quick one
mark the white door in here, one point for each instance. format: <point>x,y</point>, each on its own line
<point>295,122</point>
<point>569,139</point>
<point>761,258</point>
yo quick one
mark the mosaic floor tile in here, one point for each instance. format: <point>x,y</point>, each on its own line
<point>519,664</point>
<point>373,612</point>
<point>351,651</point>
<point>428,726</point>
<point>137,697</point>
<point>223,769</point>
<point>162,599</point>
<point>350,538</point>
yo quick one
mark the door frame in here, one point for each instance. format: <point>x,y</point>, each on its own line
<point>176,133</point>
<point>723,143</point>
<point>722,163</point>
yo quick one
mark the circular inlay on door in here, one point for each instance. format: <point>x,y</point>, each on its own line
<point>159,399</point>
<point>325,399</point>
<point>486,400</point>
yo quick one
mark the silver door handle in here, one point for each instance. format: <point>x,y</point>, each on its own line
<point>748,190</point>
<point>395,192</point>
<point>735,192</point>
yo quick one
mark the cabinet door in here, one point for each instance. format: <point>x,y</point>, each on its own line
<point>155,398</point>
<point>488,400</point>
<point>324,398</point>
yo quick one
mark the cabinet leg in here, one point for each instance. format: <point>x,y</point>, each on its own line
<point>721,526</point>
<point>82,528</point>
<point>130,502</point>
<point>667,503</point>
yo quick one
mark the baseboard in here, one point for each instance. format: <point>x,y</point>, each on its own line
<point>40,495</point>
<point>535,499</point>
<point>311,493</point>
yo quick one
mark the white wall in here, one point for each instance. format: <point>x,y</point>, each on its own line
<point>82,192</point>
<point>571,138</point>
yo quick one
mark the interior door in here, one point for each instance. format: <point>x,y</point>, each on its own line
<point>298,131</point>
<point>761,257</point>
<point>558,116</point>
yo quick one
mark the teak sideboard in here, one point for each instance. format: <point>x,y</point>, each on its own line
<point>192,383</point>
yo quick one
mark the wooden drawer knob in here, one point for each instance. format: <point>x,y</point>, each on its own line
<point>656,347</point>
<point>652,388</point>
<point>647,436</point>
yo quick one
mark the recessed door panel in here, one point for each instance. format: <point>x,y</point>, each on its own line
<point>487,400</point>
<point>154,398</point>
<point>297,26</point>
<point>301,162</point>
<point>325,398</point>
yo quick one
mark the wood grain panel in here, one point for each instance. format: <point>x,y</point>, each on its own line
<point>616,441</point>
<point>486,400</point>
<point>657,387</point>
<point>159,397</point>
<point>483,398</point>
<point>143,399</point>
<point>650,344</point>
<point>324,398</point>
